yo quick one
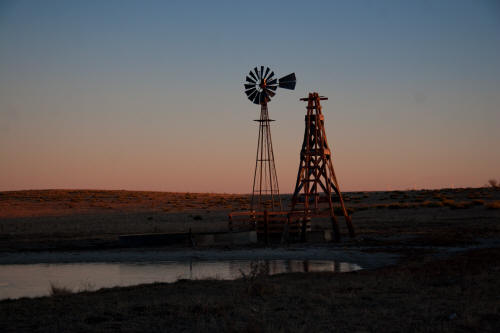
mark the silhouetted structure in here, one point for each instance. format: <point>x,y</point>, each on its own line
<point>316,182</point>
<point>260,87</point>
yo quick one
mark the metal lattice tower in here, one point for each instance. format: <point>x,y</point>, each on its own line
<point>260,87</point>
<point>265,189</point>
<point>316,180</point>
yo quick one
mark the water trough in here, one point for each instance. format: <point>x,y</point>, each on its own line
<point>190,239</point>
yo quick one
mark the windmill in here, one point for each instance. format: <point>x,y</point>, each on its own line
<point>260,87</point>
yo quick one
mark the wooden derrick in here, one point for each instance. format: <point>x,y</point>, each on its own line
<point>316,183</point>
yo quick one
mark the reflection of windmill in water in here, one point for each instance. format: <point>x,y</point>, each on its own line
<point>260,87</point>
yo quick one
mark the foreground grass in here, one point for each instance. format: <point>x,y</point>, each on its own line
<point>423,294</point>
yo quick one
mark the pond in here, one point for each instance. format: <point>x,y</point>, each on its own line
<point>32,280</point>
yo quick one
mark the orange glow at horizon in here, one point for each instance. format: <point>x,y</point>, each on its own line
<point>104,95</point>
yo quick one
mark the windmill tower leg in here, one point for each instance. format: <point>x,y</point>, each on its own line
<point>316,174</point>
<point>265,189</point>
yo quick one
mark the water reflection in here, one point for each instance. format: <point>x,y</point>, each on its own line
<point>30,280</point>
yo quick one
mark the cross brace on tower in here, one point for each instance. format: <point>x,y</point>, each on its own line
<point>265,189</point>
<point>316,174</point>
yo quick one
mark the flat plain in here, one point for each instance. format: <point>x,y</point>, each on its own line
<point>447,280</point>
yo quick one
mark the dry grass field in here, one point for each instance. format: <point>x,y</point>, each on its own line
<point>447,281</point>
<point>31,219</point>
<point>52,218</point>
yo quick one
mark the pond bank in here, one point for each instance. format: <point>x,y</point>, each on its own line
<point>421,293</point>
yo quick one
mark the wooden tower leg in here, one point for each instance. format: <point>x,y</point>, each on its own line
<point>303,236</point>
<point>335,228</point>
<point>348,221</point>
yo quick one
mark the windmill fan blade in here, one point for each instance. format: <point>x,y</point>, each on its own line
<point>267,72</point>
<point>253,75</point>
<point>287,85</point>
<point>256,98</point>
<point>250,91</point>
<point>270,92</point>
<point>252,95</point>
<point>261,84</point>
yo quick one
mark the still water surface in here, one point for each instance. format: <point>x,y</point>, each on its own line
<point>31,280</point>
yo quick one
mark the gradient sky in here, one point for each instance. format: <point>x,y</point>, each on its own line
<point>148,95</point>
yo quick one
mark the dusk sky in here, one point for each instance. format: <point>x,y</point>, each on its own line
<point>148,95</point>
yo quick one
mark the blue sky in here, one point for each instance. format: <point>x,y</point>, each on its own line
<point>149,95</point>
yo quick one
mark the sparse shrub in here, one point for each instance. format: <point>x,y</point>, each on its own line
<point>466,204</point>
<point>257,270</point>
<point>494,183</point>
<point>457,205</point>
<point>56,290</point>
<point>255,279</point>
<point>87,286</point>
<point>441,196</point>
<point>398,206</point>
<point>475,195</point>
<point>448,202</point>
<point>419,199</point>
<point>432,204</point>
<point>493,205</point>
